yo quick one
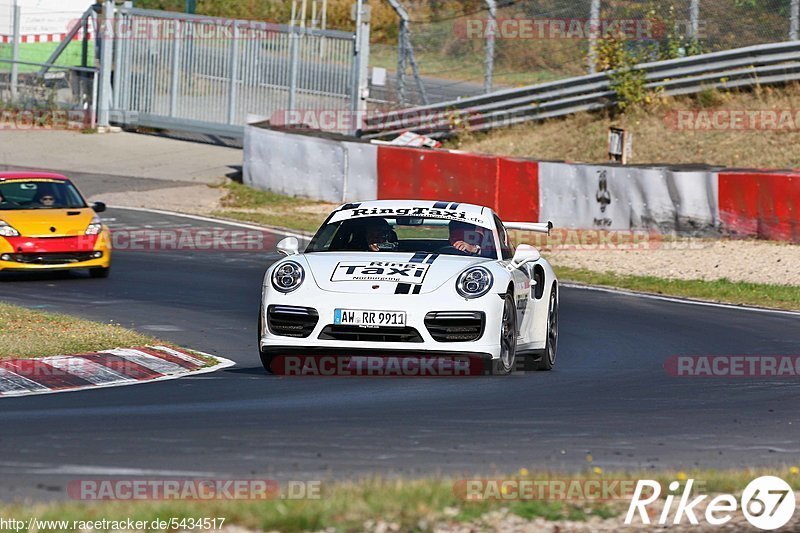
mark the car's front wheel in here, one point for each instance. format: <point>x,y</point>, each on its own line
<point>548,360</point>
<point>100,272</point>
<point>508,338</point>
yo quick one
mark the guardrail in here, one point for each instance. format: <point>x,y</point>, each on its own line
<point>753,65</point>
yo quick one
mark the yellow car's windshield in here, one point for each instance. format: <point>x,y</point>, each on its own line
<point>39,194</point>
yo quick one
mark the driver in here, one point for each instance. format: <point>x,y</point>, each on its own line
<point>372,234</point>
<point>379,235</point>
<point>46,199</point>
<point>465,237</point>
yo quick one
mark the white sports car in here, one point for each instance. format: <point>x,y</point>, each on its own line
<point>415,278</point>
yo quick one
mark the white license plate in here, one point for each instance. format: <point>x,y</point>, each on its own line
<point>359,317</point>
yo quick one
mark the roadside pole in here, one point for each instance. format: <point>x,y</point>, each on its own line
<point>15,52</point>
<point>105,36</point>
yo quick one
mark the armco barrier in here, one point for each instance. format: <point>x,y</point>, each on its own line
<point>761,204</point>
<point>312,167</point>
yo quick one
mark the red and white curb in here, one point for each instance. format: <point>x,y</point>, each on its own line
<point>109,368</point>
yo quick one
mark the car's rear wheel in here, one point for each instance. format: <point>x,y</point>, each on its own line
<point>266,359</point>
<point>100,272</point>
<point>548,360</point>
<point>508,338</point>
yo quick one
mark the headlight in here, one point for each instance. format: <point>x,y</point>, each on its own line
<point>287,276</point>
<point>474,282</point>
<point>7,231</point>
<point>95,227</point>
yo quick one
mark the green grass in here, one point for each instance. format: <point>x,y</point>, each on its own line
<point>30,333</point>
<point>435,64</point>
<point>41,52</point>
<point>299,222</point>
<point>409,504</point>
<point>722,290</point>
<point>343,507</point>
<point>243,197</point>
<point>267,208</point>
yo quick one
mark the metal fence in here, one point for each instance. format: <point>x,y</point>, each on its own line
<point>460,54</point>
<point>191,72</point>
<point>34,92</point>
<point>755,65</point>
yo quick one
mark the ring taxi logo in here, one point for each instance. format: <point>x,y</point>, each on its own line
<point>767,503</point>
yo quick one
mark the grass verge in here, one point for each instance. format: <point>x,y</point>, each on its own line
<point>41,52</point>
<point>30,333</point>
<point>270,209</point>
<point>722,290</point>
<point>396,505</point>
<point>656,135</point>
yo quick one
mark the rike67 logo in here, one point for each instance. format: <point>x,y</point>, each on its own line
<point>767,503</point>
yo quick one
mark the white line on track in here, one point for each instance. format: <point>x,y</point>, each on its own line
<point>201,218</point>
<point>686,301</point>
<point>95,470</point>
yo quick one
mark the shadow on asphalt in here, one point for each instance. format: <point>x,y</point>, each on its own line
<point>52,275</point>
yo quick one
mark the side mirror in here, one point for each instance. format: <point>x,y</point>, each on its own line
<point>99,207</point>
<point>525,254</point>
<point>289,246</point>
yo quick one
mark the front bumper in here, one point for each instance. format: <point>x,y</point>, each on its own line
<point>24,254</point>
<point>416,340</point>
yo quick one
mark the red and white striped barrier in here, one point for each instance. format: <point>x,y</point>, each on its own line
<point>764,204</point>
<point>42,38</point>
<point>109,368</point>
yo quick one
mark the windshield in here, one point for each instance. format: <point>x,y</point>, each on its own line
<point>406,235</point>
<point>39,194</point>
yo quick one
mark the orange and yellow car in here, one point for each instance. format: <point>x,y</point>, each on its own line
<point>46,224</point>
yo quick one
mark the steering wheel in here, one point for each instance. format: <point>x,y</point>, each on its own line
<point>451,250</point>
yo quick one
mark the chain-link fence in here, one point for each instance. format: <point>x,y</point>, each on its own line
<point>543,40</point>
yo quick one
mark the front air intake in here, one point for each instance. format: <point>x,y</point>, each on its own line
<point>289,321</point>
<point>455,326</point>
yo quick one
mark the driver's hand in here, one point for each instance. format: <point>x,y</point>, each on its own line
<point>464,247</point>
<point>374,247</point>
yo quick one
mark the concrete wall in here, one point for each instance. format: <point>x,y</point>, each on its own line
<point>753,203</point>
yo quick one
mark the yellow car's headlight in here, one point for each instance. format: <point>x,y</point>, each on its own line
<point>6,230</point>
<point>95,227</point>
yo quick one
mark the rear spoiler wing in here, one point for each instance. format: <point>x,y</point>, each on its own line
<point>536,227</point>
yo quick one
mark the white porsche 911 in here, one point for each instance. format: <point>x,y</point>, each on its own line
<point>415,278</point>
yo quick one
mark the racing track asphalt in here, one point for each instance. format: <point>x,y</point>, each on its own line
<point>609,395</point>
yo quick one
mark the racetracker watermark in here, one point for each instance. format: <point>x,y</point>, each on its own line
<point>346,121</point>
<point>68,369</point>
<point>591,240</point>
<point>379,366</point>
<point>44,119</point>
<point>583,490</point>
<point>192,489</point>
<point>185,29</point>
<point>733,366</point>
<point>192,240</point>
<point>733,120</point>
<point>561,28</point>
